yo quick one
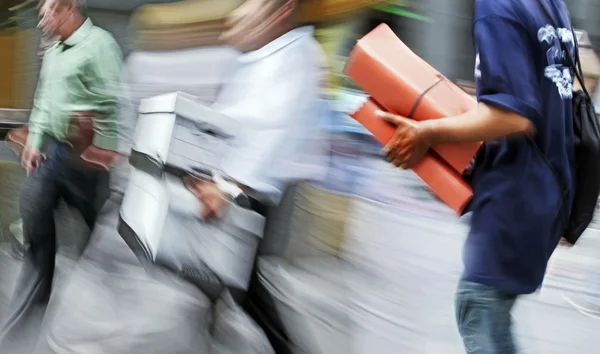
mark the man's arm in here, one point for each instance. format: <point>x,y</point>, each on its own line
<point>106,69</point>
<point>481,124</point>
<point>38,118</point>
<point>247,170</point>
<point>507,85</point>
<point>37,123</point>
<point>249,166</point>
<point>507,91</point>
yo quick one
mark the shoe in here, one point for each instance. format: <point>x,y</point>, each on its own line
<point>16,230</point>
<point>13,235</point>
<point>588,306</point>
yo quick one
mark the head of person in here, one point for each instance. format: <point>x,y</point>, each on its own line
<point>256,23</point>
<point>60,18</point>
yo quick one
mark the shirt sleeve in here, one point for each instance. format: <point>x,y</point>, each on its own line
<point>505,69</point>
<point>272,150</point>
<point>38,118</point>
<point>106,70</point>
<point>252,158</point>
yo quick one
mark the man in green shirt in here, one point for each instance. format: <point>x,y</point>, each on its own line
<point>79,77</point>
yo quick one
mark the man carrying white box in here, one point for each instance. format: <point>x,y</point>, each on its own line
<point>274,96</point>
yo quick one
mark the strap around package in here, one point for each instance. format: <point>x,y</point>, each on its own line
<point>420,98</point>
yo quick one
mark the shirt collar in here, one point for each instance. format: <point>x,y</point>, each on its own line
<point>79,35</point>
<point>277,44</point>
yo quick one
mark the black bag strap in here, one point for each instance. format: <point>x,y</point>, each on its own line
<point>574,63</point>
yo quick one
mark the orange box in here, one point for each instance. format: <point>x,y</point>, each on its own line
<point>401,82</point>
<point>444,181</point>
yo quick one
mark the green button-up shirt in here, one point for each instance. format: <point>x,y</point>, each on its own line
<point>78,75</point>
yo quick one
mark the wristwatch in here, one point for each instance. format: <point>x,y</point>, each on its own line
<point>235,193</point>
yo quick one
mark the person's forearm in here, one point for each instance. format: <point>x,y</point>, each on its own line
<point>240,185</point>
<point>105,93</point>
<point>481,124</point>
<point>36,128</point>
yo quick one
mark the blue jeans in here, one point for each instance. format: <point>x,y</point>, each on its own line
<point>484,320</point>
<point>60,176</point>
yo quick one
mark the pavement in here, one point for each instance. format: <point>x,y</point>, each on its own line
<point>72,234</point>
<point>410,245</point>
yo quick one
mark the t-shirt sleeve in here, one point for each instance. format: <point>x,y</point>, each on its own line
<point>505,70</point>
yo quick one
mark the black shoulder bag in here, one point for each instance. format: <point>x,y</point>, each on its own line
<point>587,150</point>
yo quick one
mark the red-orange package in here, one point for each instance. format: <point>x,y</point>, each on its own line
<point>406,85</point>
<point>444,181</point>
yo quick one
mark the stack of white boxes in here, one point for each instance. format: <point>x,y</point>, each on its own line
<point>160,218</point>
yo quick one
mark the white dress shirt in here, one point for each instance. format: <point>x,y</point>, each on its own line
<point>276,95</point>
<point>197,71</point>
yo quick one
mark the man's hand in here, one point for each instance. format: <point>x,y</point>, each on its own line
<point>213,199</point>
<point>97,158</point>
<point>409,143</point>
<point>31,159</point>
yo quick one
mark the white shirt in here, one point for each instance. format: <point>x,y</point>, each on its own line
<point>197,71</point>
<point>276,95</point>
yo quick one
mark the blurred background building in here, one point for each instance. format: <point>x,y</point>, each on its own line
<point>437,30</point>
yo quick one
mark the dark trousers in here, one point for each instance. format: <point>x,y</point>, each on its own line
<point>484,319</point>
<point>60,176</point>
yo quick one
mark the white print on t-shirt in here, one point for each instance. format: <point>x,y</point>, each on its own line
<point>556,70</point>
<point>477,67</point>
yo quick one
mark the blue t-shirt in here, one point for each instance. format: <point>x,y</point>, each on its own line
<point>519,206</point>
